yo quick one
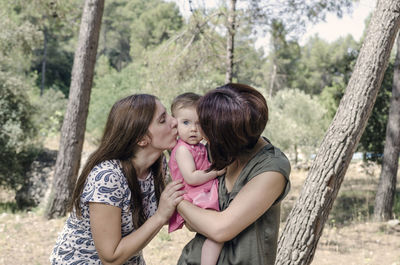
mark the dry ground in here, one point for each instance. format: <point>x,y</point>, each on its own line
<point>28,238</point>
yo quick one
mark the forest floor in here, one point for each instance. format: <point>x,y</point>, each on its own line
<point>349,237</point>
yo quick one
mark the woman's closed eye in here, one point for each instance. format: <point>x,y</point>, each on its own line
<point>162,118</point>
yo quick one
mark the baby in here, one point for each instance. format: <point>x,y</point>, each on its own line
<point>189,162</point>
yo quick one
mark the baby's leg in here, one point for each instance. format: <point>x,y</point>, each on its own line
<point>210,252</point>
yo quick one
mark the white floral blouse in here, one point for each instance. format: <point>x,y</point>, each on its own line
<point>106,184</point>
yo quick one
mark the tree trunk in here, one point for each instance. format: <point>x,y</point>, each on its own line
<point>73,129</point>
<point>230,41</point>
<point>306,220</point>
<point>44,60</point>
<point>273,76</point>
<point>385,194</point>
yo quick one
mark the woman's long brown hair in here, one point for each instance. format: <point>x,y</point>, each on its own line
<point>127,123</point>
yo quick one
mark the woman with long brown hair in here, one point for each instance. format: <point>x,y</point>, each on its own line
<point>232,119</point>
<point>120,200</point>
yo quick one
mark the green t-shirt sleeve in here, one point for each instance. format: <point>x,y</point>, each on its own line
<point>272,160</point>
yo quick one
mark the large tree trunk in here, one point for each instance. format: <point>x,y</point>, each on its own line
<point>305,222</point>
<point>230,41</point>
<point>385,194</point>
<point>73,129</point>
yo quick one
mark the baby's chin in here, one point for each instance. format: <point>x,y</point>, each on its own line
<point>193,140</point>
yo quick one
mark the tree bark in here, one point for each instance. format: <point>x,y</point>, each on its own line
<point>230,41</point>
<point>305,222</point>
<point>386,191</point>
<point>73,129</point>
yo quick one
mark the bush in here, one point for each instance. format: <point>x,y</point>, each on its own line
<point>17,133</point>
<point>49,114</point>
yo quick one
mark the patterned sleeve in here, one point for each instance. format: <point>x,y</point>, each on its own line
<point>105,185</point>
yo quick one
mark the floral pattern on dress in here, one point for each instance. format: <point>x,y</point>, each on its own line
<point>106,184</point>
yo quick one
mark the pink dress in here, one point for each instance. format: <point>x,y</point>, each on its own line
<point>204,195</point>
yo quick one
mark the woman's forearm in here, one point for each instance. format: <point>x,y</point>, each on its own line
<point>105,222</point>
<point>137,240</point>
<point>206,222</point>
<point>249,204</point>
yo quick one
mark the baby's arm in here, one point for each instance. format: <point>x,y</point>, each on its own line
<point>188,170</point>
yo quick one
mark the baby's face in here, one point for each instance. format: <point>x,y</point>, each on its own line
<point>188,125</point>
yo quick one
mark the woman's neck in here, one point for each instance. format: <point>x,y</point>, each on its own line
<point>246,156</point>
<point>143,161</point>
<point>234,169</point>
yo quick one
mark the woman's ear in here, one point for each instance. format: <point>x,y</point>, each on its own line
<point>144,141</point>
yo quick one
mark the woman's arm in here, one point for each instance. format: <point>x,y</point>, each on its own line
<point>105,223</point>
<point>188,170</point>
<point>250,203</point>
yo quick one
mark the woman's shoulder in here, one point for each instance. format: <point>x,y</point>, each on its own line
<point>110,169</point>
<point>271,158</point>
<point>113,164</point>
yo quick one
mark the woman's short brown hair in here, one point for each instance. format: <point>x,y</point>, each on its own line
<point>232,118</point>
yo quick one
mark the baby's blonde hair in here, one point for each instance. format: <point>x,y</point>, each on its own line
<point>184,100</point>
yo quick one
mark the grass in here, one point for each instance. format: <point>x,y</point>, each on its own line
<point>351,206</point>
<point>9,207</point>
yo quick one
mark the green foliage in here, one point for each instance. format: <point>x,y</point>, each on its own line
<point>131,26</point>
<point>353,206</point>
<point>17,132</point>
<point>57,22</point>
<point>295,14</point>
<point>109,86</point>
<point>373,138</point>
<point>283,59</point>
<point>155,25</point>
<point>115,33</point>
<point>325,65</point>
<point>191,61</point>
<point>8,207</point>
<point>297,122</point>
<point>49,114</point>
<point>396,205</point>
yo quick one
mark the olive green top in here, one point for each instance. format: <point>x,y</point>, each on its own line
<point>257,244</point>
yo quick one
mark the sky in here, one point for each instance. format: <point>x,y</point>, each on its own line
<point>330,30</point>
<point>352,24</point>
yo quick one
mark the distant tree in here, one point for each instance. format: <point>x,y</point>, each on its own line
<point>158,23</point>
<point>73,128</point>
<point>129,26</point>
<point>18,133</point>
<point>282,60</point>
<point>109,86</point>
<point>261,15</point>
<point>230,40</point>
<point>373,138</point>
<point>297,122</point>
<point>56,20</point>
<point>306,220</point>
<point>324,64</point>
<point>386,191</point>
